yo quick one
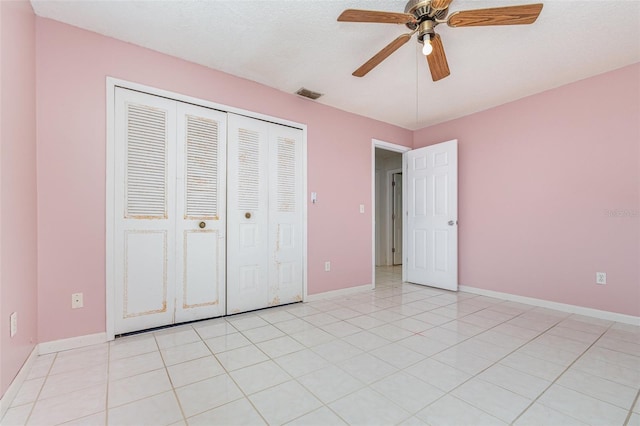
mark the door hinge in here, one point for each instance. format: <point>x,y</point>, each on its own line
<point>393,250</point>
<point>393,184</point>
<point>393,216</point>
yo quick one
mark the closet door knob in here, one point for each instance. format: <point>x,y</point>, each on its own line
<point>247,215</point>
<point>202,225</point>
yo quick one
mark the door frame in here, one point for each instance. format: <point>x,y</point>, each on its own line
<point>111,84</point>
<point>389,146</point>
<point>390,233</point>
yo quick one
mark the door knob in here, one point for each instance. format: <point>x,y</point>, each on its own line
<point>247,215</point>
<point>202,225</point>
<point>451,223</point>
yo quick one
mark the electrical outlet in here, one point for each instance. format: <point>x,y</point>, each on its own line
<point>327,266</point>
<point>13,319</point>
<point>601,278</point>
<point>76,301</point>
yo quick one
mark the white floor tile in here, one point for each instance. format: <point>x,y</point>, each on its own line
<point>261,334</point>
<point>330,383</point>
<point>138,364</point>
<point>341,329</point>
<point>275,316</point>
<point>258,377</point>
<point>41,366</point>
<point>246,322</point>
<point>280,346</point>
<point>186,352</point>
<point>194,370</point>
<point>368,407</point>
<point>499,402</point>
<point>397,355</point>
<point>79,359</point>
<point>213,328</point>
<point>366,341</point>
<point>236,413</point>
<point>602,389</point>
<point>202,396</point>
<point>175,337</point>
<point>516,381</point>
<point>16,416</point>
<point>98,419</point>
<point>539,414</point>
<point>70,406</point>
<point>440,375</point>
<point>367,368</point>
<point>158,410</point>
<point>541,368</point>
<point>312,337</point>
<point>463,360</point>
<point>227,342</point>
<point>133,388</point>
<point>28,392</point>
<point>336,351</point>
<point>285,402</point>
<point>125,347</point>
<point>407,391</point>
<point>241,357</point>
<point>323,416</point>
<point>74,380</point>
<point>400,354</point>
<point>301,362</point>
<point>450,411</point>
<point>582,407</point>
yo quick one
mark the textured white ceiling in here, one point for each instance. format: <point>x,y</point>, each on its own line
<point>287,44</point>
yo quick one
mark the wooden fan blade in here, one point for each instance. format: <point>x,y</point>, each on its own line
<point>382,55</point>
<point>511,15</point>
<point>357,15</point>
<point>437,60</point>
<point>440,4</point>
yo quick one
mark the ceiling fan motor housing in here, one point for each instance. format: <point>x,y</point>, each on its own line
<point>425,17</point>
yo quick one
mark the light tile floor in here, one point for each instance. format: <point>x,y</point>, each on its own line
<point>401,354</point>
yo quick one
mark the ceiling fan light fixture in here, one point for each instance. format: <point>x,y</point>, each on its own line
<point>427,48</point>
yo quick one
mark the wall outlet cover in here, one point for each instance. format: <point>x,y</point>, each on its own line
<point>601,278</point>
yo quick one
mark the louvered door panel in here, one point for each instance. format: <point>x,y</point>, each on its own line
<point>202,145</point>
<point>146,162</point>
<point>201,223</point>
<point>144,234</point>
<point>247,230</point>
<point>285,215</point>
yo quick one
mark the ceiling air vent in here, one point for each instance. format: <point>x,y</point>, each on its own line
<point>308,93</point>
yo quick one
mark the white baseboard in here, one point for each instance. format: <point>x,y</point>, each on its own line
<point>16,384</point>
<point>337,293</point>
<point>563,307</point>
<point>72,343</point>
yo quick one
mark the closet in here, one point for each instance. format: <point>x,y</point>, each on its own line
<point>208,212</point>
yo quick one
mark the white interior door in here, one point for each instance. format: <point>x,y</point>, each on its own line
<point>396,218</point>
<point>431,204</point>
<point>247,214</point>
<point>265,215</point>
<point>144,237</point>
<point>201,213</point>
<point>286,198</point>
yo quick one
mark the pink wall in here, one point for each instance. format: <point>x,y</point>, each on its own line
<point>72,65</point>
<point>537,177</point>
<point>18,287</point>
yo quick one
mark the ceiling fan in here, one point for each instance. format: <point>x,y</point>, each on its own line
<point>422,17</point>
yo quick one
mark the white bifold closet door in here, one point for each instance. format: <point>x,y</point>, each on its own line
<point>265,214</point>
<point>169,230</point>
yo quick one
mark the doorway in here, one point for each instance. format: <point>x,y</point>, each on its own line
<point>387,232</point>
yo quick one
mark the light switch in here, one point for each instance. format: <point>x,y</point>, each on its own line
<point>314,197</point>
<point>361,208</point>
